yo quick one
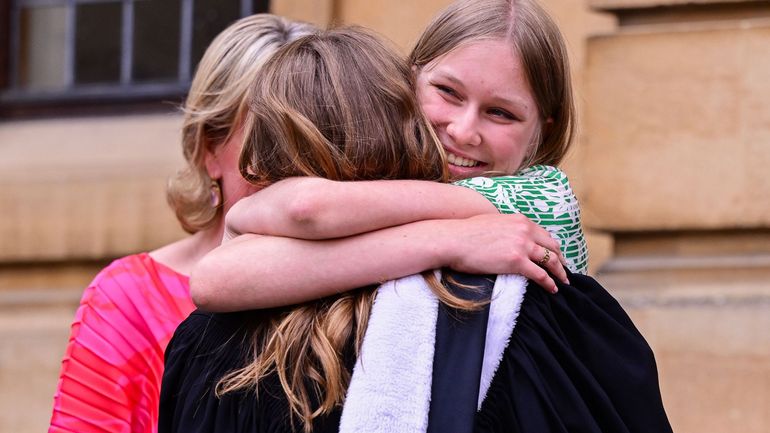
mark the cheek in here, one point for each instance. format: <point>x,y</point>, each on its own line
<point>235,187</point>
<point>435,109</point>
<point>510,148</point>
<point>432,104</point>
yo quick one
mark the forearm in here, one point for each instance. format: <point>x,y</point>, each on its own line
<point>313,208</point>
<point>256,271</point>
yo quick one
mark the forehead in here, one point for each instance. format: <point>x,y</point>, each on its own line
<point>490,68</point>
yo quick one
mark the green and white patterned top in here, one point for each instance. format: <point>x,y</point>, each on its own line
<point>541,193</point>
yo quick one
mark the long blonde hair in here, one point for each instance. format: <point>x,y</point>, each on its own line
<point>217,102</point>
<point>533,36</point>
<point>340,105</point>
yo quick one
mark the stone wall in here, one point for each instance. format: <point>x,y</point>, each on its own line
<point>675,135</point>
<point>677,138</point>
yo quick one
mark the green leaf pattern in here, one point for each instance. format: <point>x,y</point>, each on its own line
<point>541,193</point>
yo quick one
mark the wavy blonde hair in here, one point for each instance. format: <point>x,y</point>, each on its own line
<point>217,103</point>
<point>534,37</point>
<point>338,105</point>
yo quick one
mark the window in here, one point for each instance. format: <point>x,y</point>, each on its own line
<point>69,52</point>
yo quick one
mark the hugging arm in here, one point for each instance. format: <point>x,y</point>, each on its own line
<point>316,208</point>
<point>375,234</point>
<point>254,271</point>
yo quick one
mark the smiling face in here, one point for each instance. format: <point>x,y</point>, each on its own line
<point>480,103</point>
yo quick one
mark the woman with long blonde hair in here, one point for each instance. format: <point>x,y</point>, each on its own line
<point>557,373</point>
<point>337,105</point>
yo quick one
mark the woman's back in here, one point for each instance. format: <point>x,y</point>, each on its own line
<point>205,347</point>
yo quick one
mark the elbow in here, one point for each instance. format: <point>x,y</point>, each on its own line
<point>234,220</point>
<point>203,290</point>
<point>307,206</point>
<point>200,296</point>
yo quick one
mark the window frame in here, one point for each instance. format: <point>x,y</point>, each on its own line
<point>123,96</point>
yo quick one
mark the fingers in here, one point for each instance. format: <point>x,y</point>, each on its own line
<point>554,266</point>
<point>527,249</point>
<point>537,274</point>
<point>555,261</point>
<point>549,260</point>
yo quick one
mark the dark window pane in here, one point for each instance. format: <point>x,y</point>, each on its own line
<point>42,44</point>
<point>211,17</point>
<point>156,40</point>
<point>260,6</point>
<point>97,43</point>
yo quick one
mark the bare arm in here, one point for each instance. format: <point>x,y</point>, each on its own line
<point>254,271</point>
<point>315,208</point>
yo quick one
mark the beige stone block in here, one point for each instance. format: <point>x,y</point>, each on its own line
<point>601,248</point>
<point>713,355</point>
<point>628,4</point>
<point>84,219</point>
<point>89,147</point>
<point>745,243</point>
<point>702,301</point>
<point>691,16</point>
<point>32,342</point>
<point>31,277</point>
<point>402,23</point>
<point>319,12</point>
<point>86,188</point>
<point>678,129</point>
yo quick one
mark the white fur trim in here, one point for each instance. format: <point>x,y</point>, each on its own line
<point>391,383</point>
<point>507,296</point>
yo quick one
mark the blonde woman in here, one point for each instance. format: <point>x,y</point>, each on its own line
<point>112,368</point>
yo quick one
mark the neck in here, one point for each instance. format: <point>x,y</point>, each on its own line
<point>184,254</point>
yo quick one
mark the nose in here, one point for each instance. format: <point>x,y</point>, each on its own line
<point>463,128</point>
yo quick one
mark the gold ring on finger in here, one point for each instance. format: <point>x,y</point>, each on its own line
<point>546,257</point>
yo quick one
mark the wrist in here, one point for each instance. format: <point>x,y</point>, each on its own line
<point>442,239</point>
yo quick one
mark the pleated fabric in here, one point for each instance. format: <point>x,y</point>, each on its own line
<point>113,365</point>
<point>575,363</point>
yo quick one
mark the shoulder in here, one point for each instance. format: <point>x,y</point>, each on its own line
<point>204,348</point>
<point>213,336</point>
<point>535,176</point>
<point>125,319</point>
<point>532,190</point>
<point>131,307</point>
<point>136,269</point>
<point>139,281</point>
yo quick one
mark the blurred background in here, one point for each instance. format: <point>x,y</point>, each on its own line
<point>671,169</point>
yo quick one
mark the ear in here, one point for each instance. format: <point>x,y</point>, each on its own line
<point>213,163</point>
<point>547,125</point>
<point>545,128</point>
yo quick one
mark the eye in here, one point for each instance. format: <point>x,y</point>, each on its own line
<point>501,114</point>
<point>446,90</point>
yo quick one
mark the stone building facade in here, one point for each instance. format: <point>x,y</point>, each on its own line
<point>674,141</point>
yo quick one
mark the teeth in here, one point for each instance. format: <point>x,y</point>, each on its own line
<point>459,160</point>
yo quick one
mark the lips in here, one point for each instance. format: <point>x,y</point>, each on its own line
<point>461,161</point>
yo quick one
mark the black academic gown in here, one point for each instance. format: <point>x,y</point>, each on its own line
<point>575,363</point>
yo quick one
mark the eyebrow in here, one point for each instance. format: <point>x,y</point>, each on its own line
<point>495,97</point>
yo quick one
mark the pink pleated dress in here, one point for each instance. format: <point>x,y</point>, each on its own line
<point>113,366</point>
